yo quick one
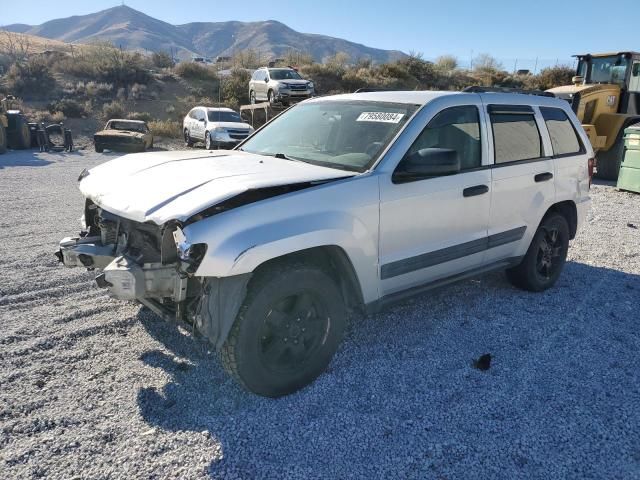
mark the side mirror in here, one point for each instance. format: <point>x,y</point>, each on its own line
<point>427,163</point>
<point>266,80</point>
<point>202,120</point>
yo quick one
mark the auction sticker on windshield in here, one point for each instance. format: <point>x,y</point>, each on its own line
<point>385,117</point>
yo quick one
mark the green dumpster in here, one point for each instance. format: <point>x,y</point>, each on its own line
<point>629,177</point>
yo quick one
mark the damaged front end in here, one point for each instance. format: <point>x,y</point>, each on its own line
<point>152,264</point>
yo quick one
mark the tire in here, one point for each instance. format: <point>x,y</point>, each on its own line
<point>20,137</point>
<point>287,330</point>
<point>207,141</point>
<point>252,97</point>
<point>608,163</point>
<point>545,258</point>
<point>3,139</point>
<point>187,138</point>
<point>99,149</point>
<point>271,98</point>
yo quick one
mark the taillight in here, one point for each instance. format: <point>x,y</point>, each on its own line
<point>592,163</point>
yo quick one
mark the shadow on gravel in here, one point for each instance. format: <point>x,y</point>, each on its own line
<point>23,158</point>
<point>401,399</point>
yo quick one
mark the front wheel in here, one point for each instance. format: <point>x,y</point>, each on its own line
<point>287,331</point>
<point>271,97</point>
<point>187,138</point>
<point>252,97</point>
<point>207,141</point>
<point>545,258</point>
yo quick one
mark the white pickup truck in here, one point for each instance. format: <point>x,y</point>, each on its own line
<point>341,203</point>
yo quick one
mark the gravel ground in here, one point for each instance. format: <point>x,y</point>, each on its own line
<point>95,388</point>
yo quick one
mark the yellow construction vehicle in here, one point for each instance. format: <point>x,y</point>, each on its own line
<point>14,128</point>
<point>606,98</point>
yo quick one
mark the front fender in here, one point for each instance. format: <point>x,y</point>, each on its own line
<point>240,240</point>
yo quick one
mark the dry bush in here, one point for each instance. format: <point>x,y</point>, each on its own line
<point>32,77</point>
<point>166,128</point>
<point>162,60</point>
<point>113,110</point>
<point>235,90</point>
<point>43,116</point>
<point>70,108</point>
<point>143,116</point>
<point>105,63</point>
<point>195,71</point>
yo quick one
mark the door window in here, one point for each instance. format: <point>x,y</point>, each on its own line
<point>634,81</point>
<point>564,138</point>
<point>455,128</point>
<point>515,133</point>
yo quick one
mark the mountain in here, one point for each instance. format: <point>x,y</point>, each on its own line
<point>123,26</point>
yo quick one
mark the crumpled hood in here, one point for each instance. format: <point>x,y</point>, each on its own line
<point>163,186</point>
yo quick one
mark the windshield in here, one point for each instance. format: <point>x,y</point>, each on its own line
<point>610,69</point>
<point>127,126</point>
<point>284,74</point>
<point>222,116</point>
<point>349,135</point>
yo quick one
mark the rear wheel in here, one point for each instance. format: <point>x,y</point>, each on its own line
<point>3,139</point>
<point>545,258</point>
<point>287,331</point>
<point>99,149</point>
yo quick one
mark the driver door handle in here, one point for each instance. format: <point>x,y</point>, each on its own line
<point>475,190</point>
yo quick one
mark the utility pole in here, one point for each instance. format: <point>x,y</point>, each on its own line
<point>535,69</point>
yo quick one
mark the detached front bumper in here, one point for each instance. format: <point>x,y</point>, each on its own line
<point>121,275</point>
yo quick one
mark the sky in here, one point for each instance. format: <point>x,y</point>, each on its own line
<point>517,33</point>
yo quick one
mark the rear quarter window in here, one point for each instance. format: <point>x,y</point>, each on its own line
<point>564,138</point>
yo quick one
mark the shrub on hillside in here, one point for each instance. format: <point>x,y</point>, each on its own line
<point>70,108</point>
<point>105,63</point>
<point>234,88</point>
<point>113,110</point>
<point>32,77</point>
<point>143,116</point>
<point>552,77</point>
<point>195,71</point>
<point>167,128</point>
<point>162,60</point>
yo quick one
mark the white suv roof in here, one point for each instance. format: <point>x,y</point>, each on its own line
<point>422,97</point>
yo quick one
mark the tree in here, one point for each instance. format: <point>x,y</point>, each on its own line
<point>15,45</point>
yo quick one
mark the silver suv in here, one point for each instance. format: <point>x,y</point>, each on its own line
<point>279,85</point>
<point>340,204</point>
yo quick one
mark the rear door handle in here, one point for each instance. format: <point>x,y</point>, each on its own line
<point>475,190</point>
<point>543,177</point>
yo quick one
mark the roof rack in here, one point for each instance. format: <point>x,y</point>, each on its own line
<point>369,90</point>
<point>478,89</point>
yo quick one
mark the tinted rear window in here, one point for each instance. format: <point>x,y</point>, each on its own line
<point>564,138</point>
<point>515,137</point>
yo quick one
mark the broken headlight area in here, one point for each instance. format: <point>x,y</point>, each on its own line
<point>138,261</point>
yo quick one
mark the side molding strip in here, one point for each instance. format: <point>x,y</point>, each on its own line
<point>425,260</point>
